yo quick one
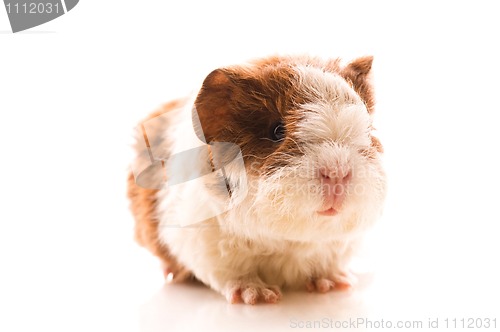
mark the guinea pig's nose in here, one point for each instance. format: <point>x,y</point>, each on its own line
<point>336,176</point>
<point>334,184</point>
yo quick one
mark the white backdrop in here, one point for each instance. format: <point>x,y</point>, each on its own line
<point>72,90</point>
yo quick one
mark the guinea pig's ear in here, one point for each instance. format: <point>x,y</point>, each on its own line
<point>358,72</point>
<point>211,104</point>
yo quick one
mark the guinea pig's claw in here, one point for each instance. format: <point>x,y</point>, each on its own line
<point>252,293</point>
<point>321,285</point>
<point>341,281</point>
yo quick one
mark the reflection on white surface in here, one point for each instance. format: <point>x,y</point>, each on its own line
<point>194,307</point>
<point>372,304</point>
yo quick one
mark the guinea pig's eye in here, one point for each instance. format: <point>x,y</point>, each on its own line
<point>278,132</point>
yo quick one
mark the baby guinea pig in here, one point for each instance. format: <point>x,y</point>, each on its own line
<point>310,181</point>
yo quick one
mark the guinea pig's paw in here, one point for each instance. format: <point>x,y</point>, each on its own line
<point>251,292</point>
<point>344,280</point>
<point>339,281</point>
<point>321,285</point>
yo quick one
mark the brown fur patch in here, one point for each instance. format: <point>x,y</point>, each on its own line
<point>358,74</point>
<point>242,105</point>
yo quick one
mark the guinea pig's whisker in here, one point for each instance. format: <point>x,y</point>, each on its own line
<point>297,144</point>
<point>253,156</point>
<point>267,139</point>
<point>284,154</point>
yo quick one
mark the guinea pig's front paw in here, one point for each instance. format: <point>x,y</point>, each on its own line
<point>340,281</point>
<point>251,292</point>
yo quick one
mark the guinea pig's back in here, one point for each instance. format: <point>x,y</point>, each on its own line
<point>143,196</point>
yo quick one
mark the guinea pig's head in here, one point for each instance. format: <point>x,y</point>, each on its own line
<point>304,127</point>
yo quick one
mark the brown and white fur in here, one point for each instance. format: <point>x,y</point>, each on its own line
<point>309,197</point>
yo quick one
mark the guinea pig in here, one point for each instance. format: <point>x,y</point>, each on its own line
<point>307,185</point>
